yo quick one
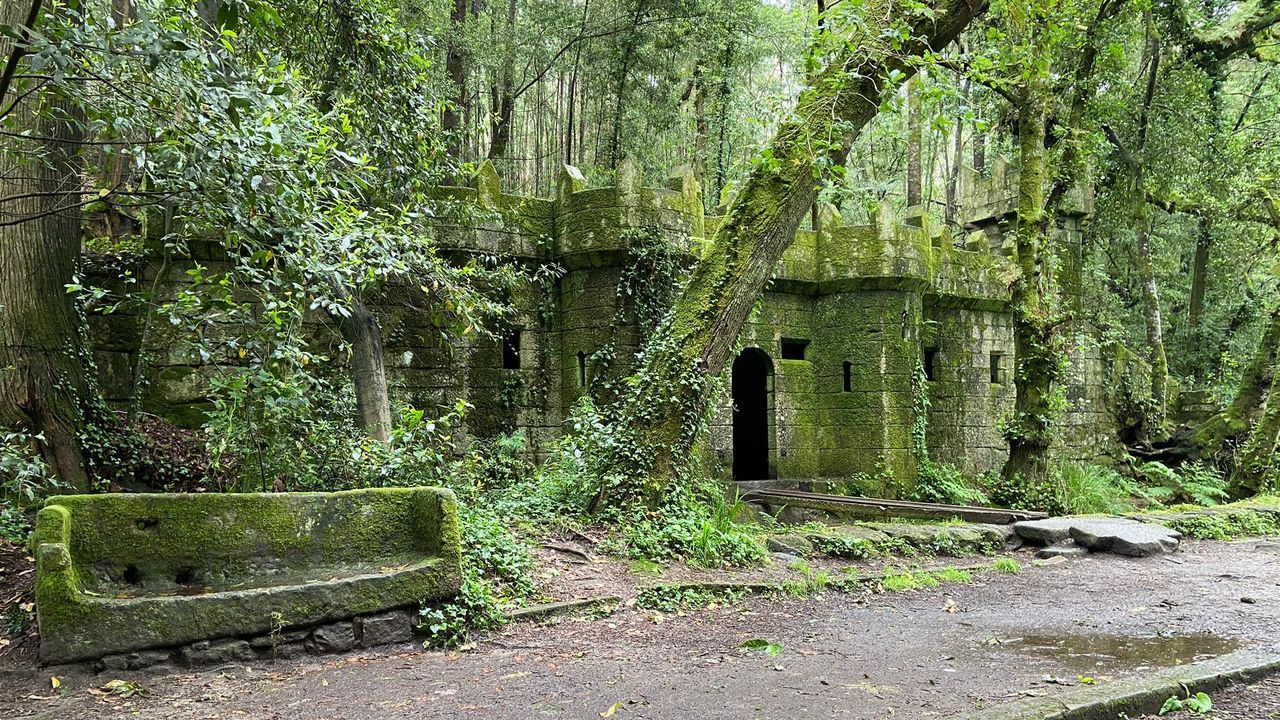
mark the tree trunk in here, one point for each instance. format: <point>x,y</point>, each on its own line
<point>670,394</point>
<point>616,150</point>
<point>1150,310</point>
<point>455,64</point>
<point>915,150</point>
<point>45,382</point>
<point>1199,278</point>
<point>503,102</point>
<point>1228,426</point>
<point>1037,343</point>
<point>368,370</point>
<point>1256,467</point>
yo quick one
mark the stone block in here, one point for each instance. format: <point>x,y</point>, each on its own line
<point>136,555</point>
<point>216,653</point>
<point>384,629</point>
<point>336,637</point>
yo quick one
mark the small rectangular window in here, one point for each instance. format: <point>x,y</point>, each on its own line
<point>793,349</point>
<point>582,369</point>
<point>848,376</point>
<point>931,364</point>
<point>511,350</point>
<point>996,369</point>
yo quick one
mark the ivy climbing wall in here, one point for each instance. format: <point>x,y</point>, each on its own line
<point>882,344</point>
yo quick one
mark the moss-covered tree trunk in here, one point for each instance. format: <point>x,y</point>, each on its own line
<point>669,396</point>
<point>1039,358</point>
<point>1231,424</point>
<point>1255,468</point>
<point>45,386</point>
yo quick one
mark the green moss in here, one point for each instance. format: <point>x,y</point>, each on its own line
<point>124,572</point>
<point>1226,525</point>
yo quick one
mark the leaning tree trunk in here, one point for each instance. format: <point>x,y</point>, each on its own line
<point>1256,466</point>
<point>45,388</point>
<point>670,393</point>
<point>1228,426</point>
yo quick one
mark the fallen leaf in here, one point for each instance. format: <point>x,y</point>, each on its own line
<point>612,709</point>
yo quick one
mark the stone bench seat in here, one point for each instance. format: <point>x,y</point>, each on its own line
<point>127,572</point>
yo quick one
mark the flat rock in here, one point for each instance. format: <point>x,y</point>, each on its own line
<point>1124,537</point>
<point>1044,532</point>
<point>789,544</point>
<point>1267,547</point>
<point>787,559</point>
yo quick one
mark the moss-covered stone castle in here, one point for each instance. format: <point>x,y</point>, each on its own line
<point>873,344</point>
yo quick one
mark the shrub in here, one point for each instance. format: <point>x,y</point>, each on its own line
<point>943,483</point>
<point>1008,566</point>
<point>1088,489</point>
<point>1196,484</point>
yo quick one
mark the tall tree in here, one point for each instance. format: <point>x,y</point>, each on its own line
<point>46,387</point>
<point>670,393</point>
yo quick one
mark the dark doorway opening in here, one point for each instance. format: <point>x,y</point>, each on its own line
<point>751,374</point>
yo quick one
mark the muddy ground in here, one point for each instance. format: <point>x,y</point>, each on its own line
<point>919,654</point>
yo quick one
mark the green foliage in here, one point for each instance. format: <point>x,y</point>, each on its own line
<point>24,476</point>
<point>901,581</point>
<point>671,598</point>
<point>844,546</point>
<point>703,529</point>
<point>1014,492</point>
<point>1086,489</point>
<point>1007,566</point>
<point>15,523</point>
<point>761,645</point>
<point>1226,525</point>
<point>1196,484</point>
<point>475,608</point>
<point>943,483</point>
<point>301,435</point>
<point>953,576</point>
<point>1198,704</point>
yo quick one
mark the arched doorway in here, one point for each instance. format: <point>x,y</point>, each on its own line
<point>752,375</point>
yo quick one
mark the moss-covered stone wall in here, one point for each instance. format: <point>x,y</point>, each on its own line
<point>869,303</point>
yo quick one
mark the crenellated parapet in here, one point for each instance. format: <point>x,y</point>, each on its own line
<point>580,226</point>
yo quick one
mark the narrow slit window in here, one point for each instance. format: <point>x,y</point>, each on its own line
<point>996,370</point>
<point>582,369</point>
<point>931,364</point>
<point>848,376</point>
<point>793,349</point>
<point>511,350</point>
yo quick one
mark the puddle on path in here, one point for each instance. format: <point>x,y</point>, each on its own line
<point>1104,653</point>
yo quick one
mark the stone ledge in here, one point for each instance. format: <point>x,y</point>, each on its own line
<point>1140,695</point>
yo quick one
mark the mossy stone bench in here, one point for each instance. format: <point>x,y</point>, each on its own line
<point>125,572</point>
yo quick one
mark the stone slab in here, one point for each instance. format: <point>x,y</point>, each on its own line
<point>1044,532</point>
<point>1124,537</point>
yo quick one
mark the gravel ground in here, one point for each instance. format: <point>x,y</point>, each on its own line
<point>919,654</point>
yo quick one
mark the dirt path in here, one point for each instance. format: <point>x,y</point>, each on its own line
<point>920,654</point>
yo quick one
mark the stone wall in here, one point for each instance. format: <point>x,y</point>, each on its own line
<point>866,305</point>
